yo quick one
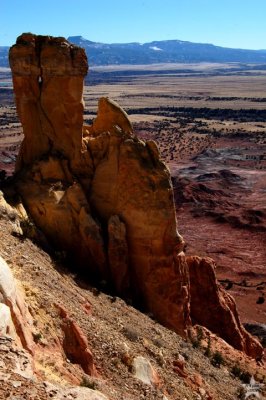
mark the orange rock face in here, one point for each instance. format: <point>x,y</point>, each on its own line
<point>48,78</point>
<point>105,198</point>
<point>211,306</point>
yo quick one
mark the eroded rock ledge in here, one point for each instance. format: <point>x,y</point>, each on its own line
<point>105,197</point>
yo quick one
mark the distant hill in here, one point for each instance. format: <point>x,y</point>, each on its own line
<point>4,56</point>
<point>165,51</point>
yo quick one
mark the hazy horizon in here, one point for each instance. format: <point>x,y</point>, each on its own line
<point>236,24</point>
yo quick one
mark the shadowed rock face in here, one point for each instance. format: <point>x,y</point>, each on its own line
<point>105,198</point>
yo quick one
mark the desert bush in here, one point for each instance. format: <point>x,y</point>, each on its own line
<point>244,376</point>
<point>88,383</point>
<point>217,359</point>
<point>37,337</point>
<point>260,300</point>
<point>236,371</point>
<point>131,334</point>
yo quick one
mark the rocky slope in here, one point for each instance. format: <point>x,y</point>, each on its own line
<point>104,198</point>
<point>116,334</point>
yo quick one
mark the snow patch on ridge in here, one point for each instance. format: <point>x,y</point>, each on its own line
<point>155,48</point>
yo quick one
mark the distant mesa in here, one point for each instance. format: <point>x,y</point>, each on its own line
<point>105,197</point>
<point>78,40</point>
<point>164,51</point>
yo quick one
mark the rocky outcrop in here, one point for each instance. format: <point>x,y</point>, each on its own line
<point>98,192</point>
<point>14,315</point>
<point>109,116</point>
<point>18,380</point>
<point>76,347</point>
<point>211,306</point>
<point>74,188</point>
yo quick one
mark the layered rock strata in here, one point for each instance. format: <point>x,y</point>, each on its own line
<point>98,192</point>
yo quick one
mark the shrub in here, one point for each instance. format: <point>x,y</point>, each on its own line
<point>37,337</point>
<point>245,377</point>
<point>236,371</point>
<point>131,334</point>
<point>88,383</point>
<point>217,359</point>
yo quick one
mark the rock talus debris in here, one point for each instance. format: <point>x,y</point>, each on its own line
<point>103,195</point>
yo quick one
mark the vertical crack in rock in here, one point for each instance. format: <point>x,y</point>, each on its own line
<point>107,183</point>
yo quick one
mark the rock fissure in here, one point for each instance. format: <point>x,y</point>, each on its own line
<point>120,179</point>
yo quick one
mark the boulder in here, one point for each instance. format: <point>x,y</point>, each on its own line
<point>57,392</point>
<point>6,323</point>
<point>75,343</point>
<point>76,347</point>
<point>144,371</point>
<point>13,304</point>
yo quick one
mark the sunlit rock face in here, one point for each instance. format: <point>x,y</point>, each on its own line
<point>15,319</point>
<point>98,192</point>
<point>48,78</point>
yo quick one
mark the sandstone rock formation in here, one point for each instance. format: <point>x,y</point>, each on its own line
<point>110,115</point>
<point>75,344</point>
<point>211,306</point>
<point>19,381</point>
<point>48,80</point>
<point>105,198</point>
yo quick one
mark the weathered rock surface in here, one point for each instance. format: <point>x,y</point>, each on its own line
<point>18,380</point>
<point>111,328</point>
<point>15,318</point>
<point>211,306</point>
<point>118,255</point>
<point>78,393</point>
<point>48,80</point>
<point>119,175</point>
<point>144,371</point>
<point>75,344</point>
<point>110,116</point>
<point>6,323</point>
<point>105,198</point>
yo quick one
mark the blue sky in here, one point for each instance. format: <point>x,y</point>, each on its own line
<point>230,23</point>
